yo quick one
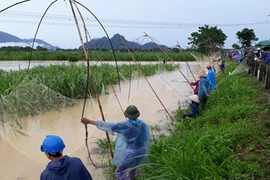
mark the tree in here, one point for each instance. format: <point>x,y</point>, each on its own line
<point>207,39</point>
<point>246,37</point>
<point>236,46</point>
<point>40,48</point>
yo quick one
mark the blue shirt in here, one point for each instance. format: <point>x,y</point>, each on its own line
<point>258,54</point>
<point>66,168</point>
<point>265,56</point>
<point>212,78</point>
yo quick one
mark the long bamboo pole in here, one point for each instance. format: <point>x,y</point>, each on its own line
<point>116,64</point>
<point>91,77</point>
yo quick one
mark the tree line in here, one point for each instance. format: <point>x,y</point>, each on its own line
<point>206,40</point>
<point>210,39</point>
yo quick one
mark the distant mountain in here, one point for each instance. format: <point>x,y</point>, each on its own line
<point>10,40</point>
<point>103,43</point>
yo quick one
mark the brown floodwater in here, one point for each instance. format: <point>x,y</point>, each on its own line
<point>21,157</point>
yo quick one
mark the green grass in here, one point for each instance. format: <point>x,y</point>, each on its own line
<point>95,55</point>
<point>70,80</point>
<point>230,140</point>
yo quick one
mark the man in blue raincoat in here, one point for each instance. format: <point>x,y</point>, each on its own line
<point>211,77</point>
<point>61,167</point>
<point>204,89</point>
<point>132,142</point>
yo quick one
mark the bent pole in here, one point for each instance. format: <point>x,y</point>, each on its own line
<point>91,76</point>
<point>2,10</point>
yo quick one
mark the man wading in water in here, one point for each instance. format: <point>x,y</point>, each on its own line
<point>132,142</point>
<point>61,167</point>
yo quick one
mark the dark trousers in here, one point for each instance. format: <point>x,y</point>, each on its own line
<point>189,115</point>
<point>203,102</point>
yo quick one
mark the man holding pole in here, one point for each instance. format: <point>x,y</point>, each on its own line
<point>132,142</point>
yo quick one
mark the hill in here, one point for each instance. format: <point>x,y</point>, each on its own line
<point>7,39</point>
<point>104,44</point>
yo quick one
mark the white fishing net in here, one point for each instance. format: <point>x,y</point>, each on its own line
<point>30,98</point>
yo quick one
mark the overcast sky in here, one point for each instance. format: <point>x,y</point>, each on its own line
<point>167,21</point>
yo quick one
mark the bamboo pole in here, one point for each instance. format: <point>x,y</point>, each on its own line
<point>92,79</point>
<point>116,64</point>
<point>2,10</point>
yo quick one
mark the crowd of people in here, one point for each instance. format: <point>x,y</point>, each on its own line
<point>259,57</point>
<point>203,87</point>
<point>206,83</point>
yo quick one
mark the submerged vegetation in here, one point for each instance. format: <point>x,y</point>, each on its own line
<point>95,56</point>
<point>230,140</point>
<point>70,80</point>
<point>44,88</point>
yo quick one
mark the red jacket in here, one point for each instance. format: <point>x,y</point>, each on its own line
<point>197,86</point>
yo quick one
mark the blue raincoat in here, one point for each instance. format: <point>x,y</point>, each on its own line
<point>66,168</point>
<point>204,88</point>
<point>212,78</point>
<point>132,143</point>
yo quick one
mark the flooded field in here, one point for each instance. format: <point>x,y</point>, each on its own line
<point>21,157</point>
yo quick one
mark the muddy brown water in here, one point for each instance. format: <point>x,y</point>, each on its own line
<point>21,157</point>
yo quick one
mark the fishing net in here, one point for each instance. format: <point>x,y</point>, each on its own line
<point>213,60</point>
<point>30,98</point>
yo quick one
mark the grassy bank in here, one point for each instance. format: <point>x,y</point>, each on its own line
<point>95,56</point>
<point>230,140</point>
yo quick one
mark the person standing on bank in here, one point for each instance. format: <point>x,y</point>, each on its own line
<point>132,142</point>
<point>196,84</point>
<point>195,107</point>
<point>204,89</point>
<point>61,167</point>
<point>211,77</point>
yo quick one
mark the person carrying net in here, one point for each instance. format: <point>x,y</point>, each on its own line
<point>132,142</point>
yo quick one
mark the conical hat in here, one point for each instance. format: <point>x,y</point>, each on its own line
<point>202,73</point>
<point>194,98</point>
